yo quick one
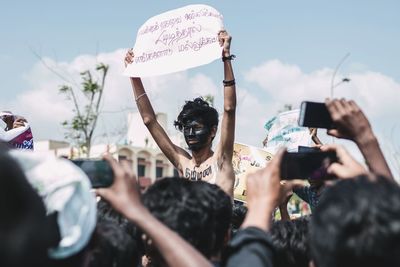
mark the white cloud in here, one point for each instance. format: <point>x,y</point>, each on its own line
<point>280,83</point>
<point>377,94</point>
<point>46,108</point>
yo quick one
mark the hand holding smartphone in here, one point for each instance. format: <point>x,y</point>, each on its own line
<point>307,165</point>
<point>99,172</point>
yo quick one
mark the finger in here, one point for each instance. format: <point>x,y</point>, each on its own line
<point>127,168</point>
<point>354,105</point>
<point>331,108</point>
<point>295,183</point>
<point>339,106</point>
<point>333,132</point>
<point>276,161</point>
<point>337,170</point>
<point>346,105</point>
<point>329,147</point>
<point>102,192</point>
<point>118,171</point>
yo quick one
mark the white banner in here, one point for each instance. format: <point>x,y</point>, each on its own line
<point>176,40</point>
<point>283,130</point>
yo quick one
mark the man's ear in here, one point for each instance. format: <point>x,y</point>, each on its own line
<point>214,131</point>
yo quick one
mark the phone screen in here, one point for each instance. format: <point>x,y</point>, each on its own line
<point>307,165</point>
<point>99,172</point>
<point>315,115</point>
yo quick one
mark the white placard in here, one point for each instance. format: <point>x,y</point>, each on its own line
<point>284,131</point>
<point>176,40</point>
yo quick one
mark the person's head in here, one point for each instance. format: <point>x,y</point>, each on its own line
<point>112,246</point>
<point>116,241</point>
<point>25,230</point>
<point>198,211</point>
<point>290,240</point>
<point>238,214</point>
<point>199,122</point>
<point>357,223</point>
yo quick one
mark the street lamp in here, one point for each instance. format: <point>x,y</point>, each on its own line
<point>334,75</point>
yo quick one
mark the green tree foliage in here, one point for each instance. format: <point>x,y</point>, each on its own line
<point>80,128</point>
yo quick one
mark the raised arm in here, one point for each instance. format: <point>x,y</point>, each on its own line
<point>225,148</point>
<point>352,124</point>
<point>124,196</point>
<point>228,119</point>
<point>171,151</point>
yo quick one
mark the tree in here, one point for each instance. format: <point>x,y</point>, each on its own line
<point>81,126</point>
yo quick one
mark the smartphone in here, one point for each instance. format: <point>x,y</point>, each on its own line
<point>315,115</point>
<point>307,149</point>
<point>99,171</point>
<point>307,165</point>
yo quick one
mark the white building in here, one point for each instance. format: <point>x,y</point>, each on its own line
<point>140,149</point>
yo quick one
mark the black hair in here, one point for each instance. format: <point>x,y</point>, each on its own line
<point>117,237</point>
<point>290,241</point>
<point>197,109</point>
<point>112,246</point>
<point>238,215</point>
<point>357,223</point>
<point>24,226</point>
<point>198,211</point>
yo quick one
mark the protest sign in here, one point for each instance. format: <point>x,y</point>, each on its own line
<point>176,40</point>
<point>246,159</point>
<point>284,131</point>
<point>20,137</point>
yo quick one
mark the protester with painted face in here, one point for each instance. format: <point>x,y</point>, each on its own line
<point>198,122</point>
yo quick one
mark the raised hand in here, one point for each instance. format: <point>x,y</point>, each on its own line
<point>124,193</point>
<point>349,120</point>
<point>351,123</point>
<point>224,40</point>
<point>347,166</point>
<point>129,57</point>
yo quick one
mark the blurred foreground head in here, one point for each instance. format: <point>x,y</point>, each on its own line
<point>198,211</point>
<point>65,191</point>
<point>357,223</point>
<point>25,230</point>
<point>290,240</point>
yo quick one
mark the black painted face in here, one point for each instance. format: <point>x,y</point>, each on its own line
<point>196,135</point>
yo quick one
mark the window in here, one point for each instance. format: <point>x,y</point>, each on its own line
<point>141,168</point>
<point>121,157</point>
<point>159,168</point>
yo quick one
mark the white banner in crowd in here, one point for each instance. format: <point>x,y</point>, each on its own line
<point>283,130</point>
<point>176,40</point>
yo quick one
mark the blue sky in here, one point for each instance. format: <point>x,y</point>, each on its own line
<point>286,51</point>
<point>311,34</point>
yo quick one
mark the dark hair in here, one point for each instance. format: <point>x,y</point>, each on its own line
<point>24,226</point>
<point>130,236</point>
<point>198,211</point>
<point>112,246</point>
<point>238,214</point>
<point>290,240</point>
<point>357,223</point>
<point>105,212</point>
<point>197,109</point>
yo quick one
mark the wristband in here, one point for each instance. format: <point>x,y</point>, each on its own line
<point>231,57</point>
<point>229,83</point>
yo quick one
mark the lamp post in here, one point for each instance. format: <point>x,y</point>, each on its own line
<point>334,75</point>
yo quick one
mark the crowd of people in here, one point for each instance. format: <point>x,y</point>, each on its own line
<point>52,217</point>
